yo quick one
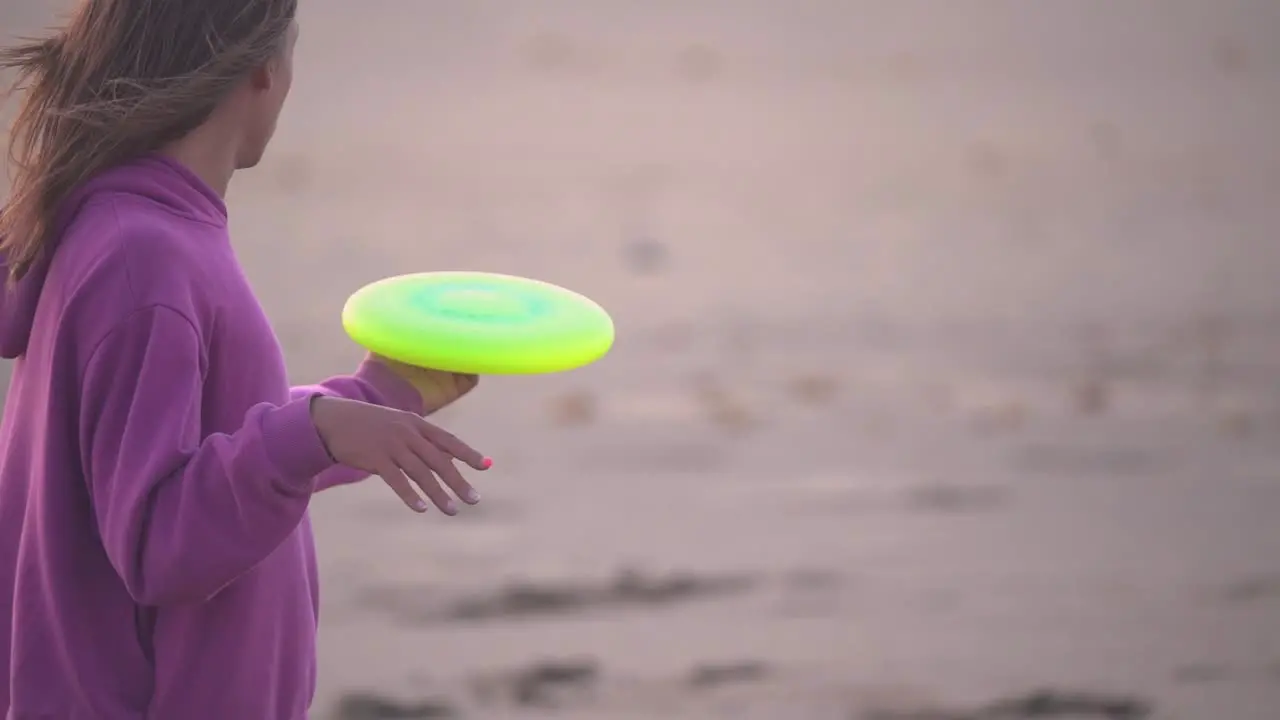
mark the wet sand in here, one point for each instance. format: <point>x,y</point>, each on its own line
<point>946,380</point>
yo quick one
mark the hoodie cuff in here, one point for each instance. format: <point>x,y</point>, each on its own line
<point>389,388</point>
<point>294,445</point>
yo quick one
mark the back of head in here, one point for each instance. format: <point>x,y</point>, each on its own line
<point>121,78</point>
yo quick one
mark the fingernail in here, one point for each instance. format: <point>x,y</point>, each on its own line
<point>486,463</point>
<point>472,497</point>
<point>420,505</point>
<point>450,508</point>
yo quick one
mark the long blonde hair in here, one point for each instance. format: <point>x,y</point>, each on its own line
<point>120,79</point>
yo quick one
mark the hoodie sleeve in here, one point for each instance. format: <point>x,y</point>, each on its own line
<point>181,517</point>
<point>373,383</point>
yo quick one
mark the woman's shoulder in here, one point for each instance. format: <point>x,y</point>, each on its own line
<point>114,260</point>
<point>150,251</point>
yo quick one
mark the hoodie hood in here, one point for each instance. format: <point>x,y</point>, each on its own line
<point>154,178</point>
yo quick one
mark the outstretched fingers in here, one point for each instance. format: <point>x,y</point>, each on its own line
<point>424,476</point>
<point>449,443</point>
<point>425,459</point>
<point>395,479</point>
<point>441,464</point>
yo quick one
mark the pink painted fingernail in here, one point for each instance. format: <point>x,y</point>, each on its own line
<point>486,463</point>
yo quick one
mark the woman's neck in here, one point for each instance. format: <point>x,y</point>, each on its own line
<point>209,154</point>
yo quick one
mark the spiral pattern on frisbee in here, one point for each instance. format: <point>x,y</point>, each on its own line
<point>483,323</point>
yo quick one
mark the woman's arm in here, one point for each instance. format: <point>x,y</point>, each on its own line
<point>182,516</point>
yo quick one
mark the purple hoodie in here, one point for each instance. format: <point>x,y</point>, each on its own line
<point>156,556</point>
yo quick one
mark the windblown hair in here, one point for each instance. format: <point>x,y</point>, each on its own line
<point>121,78</point>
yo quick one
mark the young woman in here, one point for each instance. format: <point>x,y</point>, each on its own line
<point>155,466</point>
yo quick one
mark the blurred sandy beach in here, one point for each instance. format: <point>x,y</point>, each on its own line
<point>947,384</point>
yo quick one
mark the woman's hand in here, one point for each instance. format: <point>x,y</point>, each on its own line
<point>400,447</point>
<point>438,388</point>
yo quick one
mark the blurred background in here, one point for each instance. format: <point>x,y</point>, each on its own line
<point>947,381</point>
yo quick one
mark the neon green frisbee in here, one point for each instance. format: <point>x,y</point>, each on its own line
<point>481,323</point>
